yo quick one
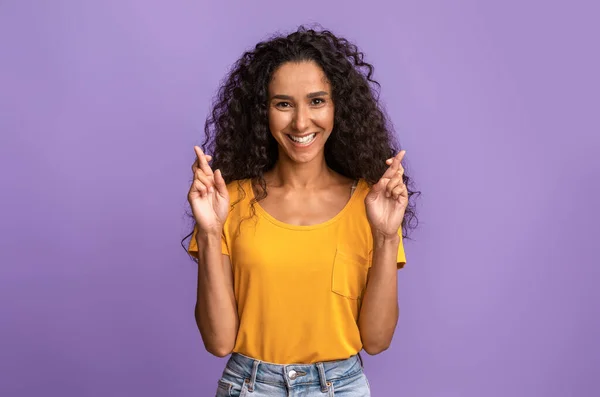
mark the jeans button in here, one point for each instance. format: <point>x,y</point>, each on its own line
<point>292,374</point>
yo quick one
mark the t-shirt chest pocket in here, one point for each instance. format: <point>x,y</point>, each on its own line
<point>349,276</point>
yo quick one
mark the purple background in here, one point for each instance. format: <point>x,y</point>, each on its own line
<point>101,103</point>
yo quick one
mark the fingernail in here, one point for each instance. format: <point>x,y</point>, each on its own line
<point>211,189</point>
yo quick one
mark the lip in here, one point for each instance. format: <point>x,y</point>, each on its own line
<point>302,136</point>
<point>299,145</point>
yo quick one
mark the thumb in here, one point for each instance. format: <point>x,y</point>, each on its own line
<point>220,183</point>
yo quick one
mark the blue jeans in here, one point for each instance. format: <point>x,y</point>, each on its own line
<point>246,377</point>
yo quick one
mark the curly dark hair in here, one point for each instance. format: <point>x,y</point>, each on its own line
<point>237,130</point>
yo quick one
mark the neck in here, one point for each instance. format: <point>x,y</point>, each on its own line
<point>300,175</point>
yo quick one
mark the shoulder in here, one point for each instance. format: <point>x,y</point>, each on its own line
<point>240,194</point>
<point>239,203</point>
<point>363,187</point>
<point>238,189</point>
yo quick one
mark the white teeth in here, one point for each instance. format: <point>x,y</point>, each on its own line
<point>305,139</point>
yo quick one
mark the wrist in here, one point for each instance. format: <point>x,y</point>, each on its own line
<point>381,240</point>
<point>204,238</point>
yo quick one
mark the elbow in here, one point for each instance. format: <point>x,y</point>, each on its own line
<point>219,348</point>
<point>218,351</point>
<point>376,340</point>
<point>376,348</point>
<point>214,345</point>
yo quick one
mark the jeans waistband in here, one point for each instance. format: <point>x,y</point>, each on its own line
<point>323,373</point>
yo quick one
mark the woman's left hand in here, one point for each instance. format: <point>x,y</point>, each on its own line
<point>387,200</point>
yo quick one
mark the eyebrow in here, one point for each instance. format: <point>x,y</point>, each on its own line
<point>309,96</point>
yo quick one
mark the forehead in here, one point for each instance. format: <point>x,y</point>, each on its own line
<point>298,77</point>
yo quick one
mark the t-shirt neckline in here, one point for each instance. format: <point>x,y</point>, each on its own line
<point>262,212</point>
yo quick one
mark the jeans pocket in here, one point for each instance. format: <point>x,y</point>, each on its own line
<point>224,389</point>
<point>353,386</point>
<point>349,276</point>
<point>232,384</point>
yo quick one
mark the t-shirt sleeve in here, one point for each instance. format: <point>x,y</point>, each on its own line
<point>401,259</point>
<point>193,246</point>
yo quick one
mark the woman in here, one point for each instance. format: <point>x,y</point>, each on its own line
<point>298,230</point>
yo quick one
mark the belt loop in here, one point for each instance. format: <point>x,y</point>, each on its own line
<point>253,375</point>
<point>322,379</point>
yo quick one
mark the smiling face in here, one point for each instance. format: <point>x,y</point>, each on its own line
<point>301,110</point>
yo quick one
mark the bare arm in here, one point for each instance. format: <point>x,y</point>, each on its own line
<point>385,205</point>
<point>216,310</point>
<point>379,310</point>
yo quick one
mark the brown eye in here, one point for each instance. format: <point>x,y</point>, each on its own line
<point>318,101</point>
<point>283,105</point>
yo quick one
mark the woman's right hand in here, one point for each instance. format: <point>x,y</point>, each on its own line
<point>208,195</point>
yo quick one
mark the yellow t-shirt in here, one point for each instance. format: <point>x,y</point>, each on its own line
<point>298,288</point>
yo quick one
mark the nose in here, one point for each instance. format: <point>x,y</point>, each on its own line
<point>301,118</point>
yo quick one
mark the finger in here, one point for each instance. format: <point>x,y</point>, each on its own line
<point>200,187</point>
<point>393,183</point>
<point>205,179</point>
<point>393,173</point>
<point>202,163</point>
<point>395,165</point>
<point>379,187</point>
<point>397,159</point>
<point>195,163</point>
<point>220,184</point>
<point>397,191</point>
